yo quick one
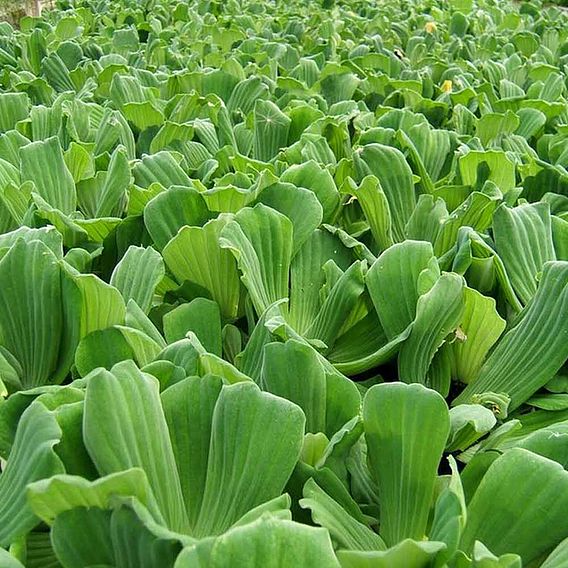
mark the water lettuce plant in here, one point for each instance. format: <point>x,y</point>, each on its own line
<point>284,285</point>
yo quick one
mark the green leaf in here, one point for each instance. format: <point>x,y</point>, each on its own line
<point>137,274</point>
<point>300,205</point>
<point>408,553</point>
<point>43,164</point>
<point>102,348</point>
<point>469,422</point>
<point>255,443</point>
<point>32,325</point>
<point>518,488</point>
<point>347,531</point>
<point>268,542</point>
<point>376,208</point>
<point>161,167</point>
<point>201,316</point>
<point>101,305</point>
<point>478,166</point>
<point>72,548</point>
<point>558,557</point>
<point>438,313</point>
<point>195,254</point>
<point>51,497</point>
<point>79,162</point>
<point>9,561</point>
<point>112,195</point>
<point>123,411</point>
<point>188,408</point>
<point>271,127</point>
<point>171,210</point>
<point>529,354</point>
<point>395,178</point>
<point>406,428</point>
<point>126,536</point>
<point>523,239</point>
<point>450,513</point>
<point>480,327</point>
<point>426,220</point>
<point>397,279</point>
<point>307,276</point>
<point>340,303</point>
<point>261,241</point>
<point>317,179</point>
<point>13,108</point>
<point>32,458</point>
<point>293,371</point>
<point>476,212</point>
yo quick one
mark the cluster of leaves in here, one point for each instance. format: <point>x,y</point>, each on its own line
<point>283,285</point>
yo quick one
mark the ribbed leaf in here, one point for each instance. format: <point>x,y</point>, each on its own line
<point>523,239</point>
<point>72,548</point>
<point>195,255</point>
<point>307,276</point>
<point>162,168</point>
<point>299,205</point>
<point>376,208</point>
<point>188,408</point>
<point>125,536</point>
<point>397,279</point>
<point>268,542</point>
<point>480,327</point>
<point>31,304</point>
<point>13,108</point>
<point>172,209</point>
<point>202,317</point>
<point>137,274</point>
<point>271,128</point>
<point>246,93</point>
<point>261,241</point>
<point>101,304</point>
<point>558,557</point>
<point>341,301</point>
<point>43,163</point>
<point>527,356</point>
<point>468,423</point>
<point>450,512</point>
<point>347,531</point>
<point>395,177</point>
<point>476,212</point>
<point>406,427</point>
<point>123,411</point>
<point>111,200</point>
<point>408,553</point>
<point>255,443</point>
<point>438,313</point>
<point>50,497</point>
<point>317,179</point>
<point>519,506</point>
<point>293,371</point>
<point>500,168</point>
<point>32,457</point>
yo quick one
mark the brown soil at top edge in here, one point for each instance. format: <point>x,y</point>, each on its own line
<point>12,11</point>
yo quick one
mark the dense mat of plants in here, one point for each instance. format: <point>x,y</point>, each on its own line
<point>284,285</point>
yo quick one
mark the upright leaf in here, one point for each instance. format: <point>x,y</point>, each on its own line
<point>43,164</point>
<point>255,443</point>
<point>123,411</point>
<point>527,355</point>
<point>523,239</point>
<point>261,241</point>
<point>137,274</point>
<point>519,506</point>
<point>406,427</point>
